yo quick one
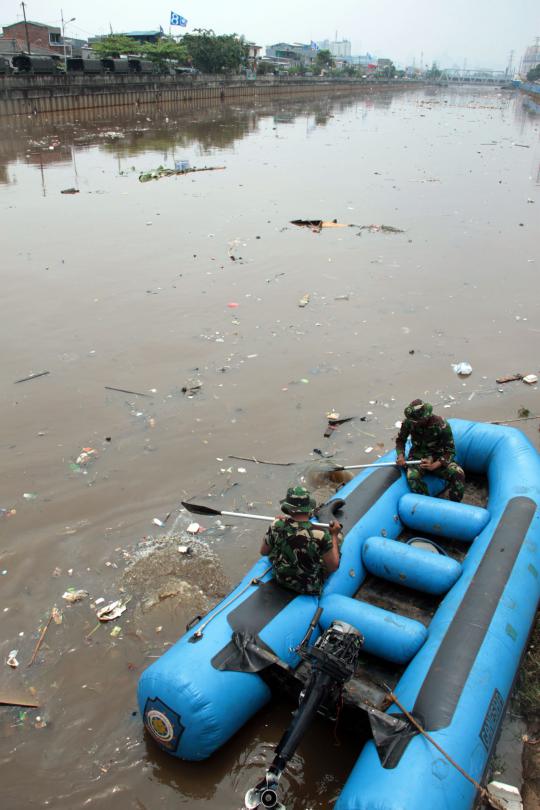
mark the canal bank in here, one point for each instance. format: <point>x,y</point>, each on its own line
<point>33,95</point>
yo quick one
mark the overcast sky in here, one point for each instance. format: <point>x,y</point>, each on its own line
<point>482,32</point>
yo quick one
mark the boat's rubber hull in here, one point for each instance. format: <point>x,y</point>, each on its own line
<point>459,679</point>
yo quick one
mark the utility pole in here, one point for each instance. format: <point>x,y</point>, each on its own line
<point>510,61</point>
<point>26,28</point>
<point>63,34</point>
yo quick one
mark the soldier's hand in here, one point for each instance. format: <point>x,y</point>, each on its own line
<point>400,460</point>
<point>334,528</point>
<point>430,466</point>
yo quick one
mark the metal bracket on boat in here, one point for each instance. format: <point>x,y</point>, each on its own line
<point>198,634</point>
<point>193,622</point>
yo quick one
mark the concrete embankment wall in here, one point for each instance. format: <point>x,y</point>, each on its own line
<point>33,95</point>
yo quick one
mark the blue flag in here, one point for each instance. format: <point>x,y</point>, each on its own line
<point>177,19</point>
<point>314,46</point>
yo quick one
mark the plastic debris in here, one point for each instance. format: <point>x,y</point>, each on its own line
<point>115,632</point>
<point>304,301</point>
<point>111,611</point>
<point>181,165</point>
<point>86,455</point>
<point>381,229</point>
<point>157,522</point>
<point>69,191</point>
<point>462,369</point>
<point>530,379</point>
<point>334,421</point>
<point>56,615</point>
<point>316,225</point>
<point>184,549</point>
<point>193,528</point>
<point>507,795</point>
<point>11,660</point>
<point>29,496</point>
<point>72,595</point>
<point>232,305</point>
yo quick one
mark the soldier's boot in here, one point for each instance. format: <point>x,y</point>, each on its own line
<point>416,482</point>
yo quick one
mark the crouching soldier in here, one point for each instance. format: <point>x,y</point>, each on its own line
<point>432,442</point>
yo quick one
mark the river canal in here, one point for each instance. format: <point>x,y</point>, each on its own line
<point>187,289</point>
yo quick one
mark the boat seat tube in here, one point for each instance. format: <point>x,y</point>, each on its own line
<point>409,566</point>
<point>458,521</point>
<point>388,635</point>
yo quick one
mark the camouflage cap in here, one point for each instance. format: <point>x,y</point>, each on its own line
<point>298,499</point>
<point>418,410</point>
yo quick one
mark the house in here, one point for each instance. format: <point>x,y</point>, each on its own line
<point>37,37</point>
<point>44,40</point>
<point>296,54</point>
<point>254,54</point>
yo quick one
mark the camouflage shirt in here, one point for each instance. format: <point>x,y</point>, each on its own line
<point>296,551</point>
<point>430,438</point>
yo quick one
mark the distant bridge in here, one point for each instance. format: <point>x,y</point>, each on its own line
<point>460,75</point>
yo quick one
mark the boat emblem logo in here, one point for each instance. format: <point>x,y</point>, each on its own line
<point>163,724</point>
<point>160,726</point>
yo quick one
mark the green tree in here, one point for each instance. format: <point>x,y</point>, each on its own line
<point>215,54</point>
<point>164,50</point>
<point>264,68</point>
<point>433,72</point>
<point>389,71</point>
<point>114,45</point>
<point>323,60</point>
<point>533,74</point>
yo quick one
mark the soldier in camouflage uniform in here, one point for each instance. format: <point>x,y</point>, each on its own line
<point>301,554</point>
<point>431,441</point>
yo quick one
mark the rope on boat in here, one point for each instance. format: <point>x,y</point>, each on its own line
<point>492,801</point>
<point>198,634</point>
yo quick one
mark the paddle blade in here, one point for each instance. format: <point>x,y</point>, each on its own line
<point>197,509</point>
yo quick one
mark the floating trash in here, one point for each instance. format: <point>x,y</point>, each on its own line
<point>111,611</point>
<point>73,595</point>
<point>462,369</point>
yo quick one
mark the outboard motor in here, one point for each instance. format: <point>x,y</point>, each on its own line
<point>333,659</point>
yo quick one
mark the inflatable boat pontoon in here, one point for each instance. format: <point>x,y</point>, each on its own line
<point>451,627</point>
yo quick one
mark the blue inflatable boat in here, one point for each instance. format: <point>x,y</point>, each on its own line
<point>453,662</point>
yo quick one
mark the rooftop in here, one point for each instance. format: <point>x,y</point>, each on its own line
<point>32,22</point>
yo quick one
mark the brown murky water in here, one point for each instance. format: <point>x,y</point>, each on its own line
<point>129,285</point>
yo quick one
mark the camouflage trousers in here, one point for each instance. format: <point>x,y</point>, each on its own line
<point>453,474</point>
